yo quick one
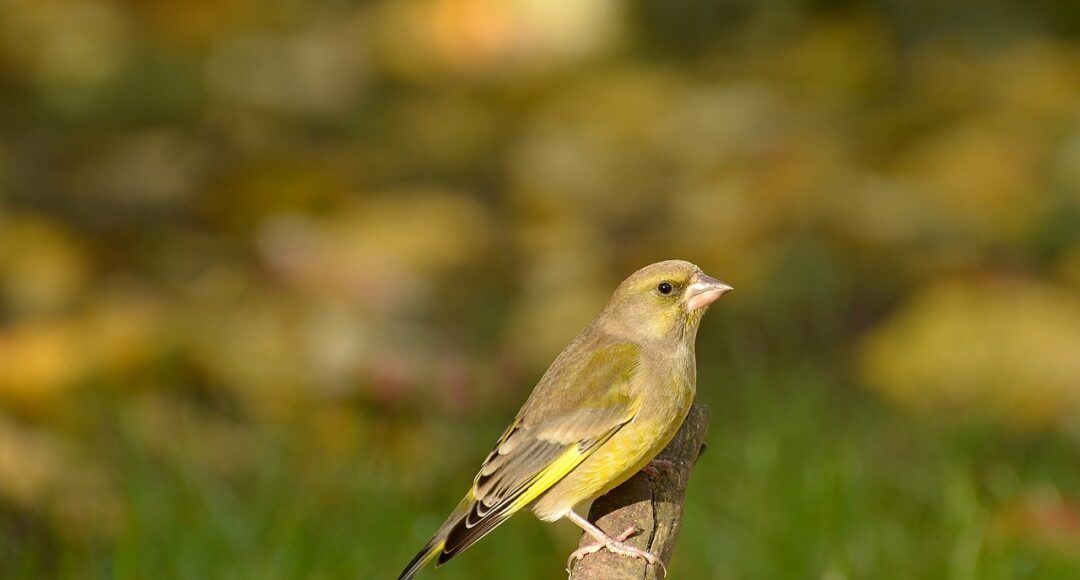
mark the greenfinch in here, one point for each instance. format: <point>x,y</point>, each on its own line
<point>610,402</point>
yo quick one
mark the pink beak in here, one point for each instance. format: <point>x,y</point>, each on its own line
<point>703,291</point>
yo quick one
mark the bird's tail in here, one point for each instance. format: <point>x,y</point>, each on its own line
<point>426,554</point>
<point>437,543</point>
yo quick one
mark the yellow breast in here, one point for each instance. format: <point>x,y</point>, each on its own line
<point>628,450</point>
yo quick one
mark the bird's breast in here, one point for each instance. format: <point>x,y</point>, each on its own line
<point>664,406</point>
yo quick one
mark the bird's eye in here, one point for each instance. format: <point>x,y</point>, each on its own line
<point>664,288</point>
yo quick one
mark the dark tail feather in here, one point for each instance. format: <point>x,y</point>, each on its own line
<point>423,557</point>
<point>437,543</point>
<point>462,529</point>
<point>468,531</point>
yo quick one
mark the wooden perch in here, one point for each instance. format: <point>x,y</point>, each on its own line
<point>653,504</point>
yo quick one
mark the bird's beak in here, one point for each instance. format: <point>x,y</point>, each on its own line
<point>703,291</point>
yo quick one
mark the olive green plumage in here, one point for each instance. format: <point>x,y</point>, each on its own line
<point>609,403</point>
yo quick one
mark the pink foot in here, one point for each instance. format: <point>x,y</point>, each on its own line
<point>615,545</point>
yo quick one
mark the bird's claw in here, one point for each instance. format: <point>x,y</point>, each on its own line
<point>616,546</point>
<point>581,553</point>
<point>596,547</point>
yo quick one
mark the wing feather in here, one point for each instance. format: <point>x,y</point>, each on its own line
<point>562,423</point>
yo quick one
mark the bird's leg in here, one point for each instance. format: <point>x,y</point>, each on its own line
<point>654,467</point>
<point>614,545</point>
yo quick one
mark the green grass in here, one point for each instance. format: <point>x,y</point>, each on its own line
<point>804,477</point>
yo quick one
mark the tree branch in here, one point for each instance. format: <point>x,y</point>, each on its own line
<point>653,505</point>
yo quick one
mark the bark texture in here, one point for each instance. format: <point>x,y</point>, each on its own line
<point>652,504</point>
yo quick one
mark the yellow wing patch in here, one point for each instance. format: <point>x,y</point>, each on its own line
<point>549,477</point>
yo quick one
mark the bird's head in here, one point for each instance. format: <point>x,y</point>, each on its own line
<point>662,302</point>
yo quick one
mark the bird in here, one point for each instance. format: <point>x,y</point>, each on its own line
<point>611,400</point>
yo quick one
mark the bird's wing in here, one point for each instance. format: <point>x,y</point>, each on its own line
<point>546,442</point>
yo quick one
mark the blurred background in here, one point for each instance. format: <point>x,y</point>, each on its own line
<point>275,275</point>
